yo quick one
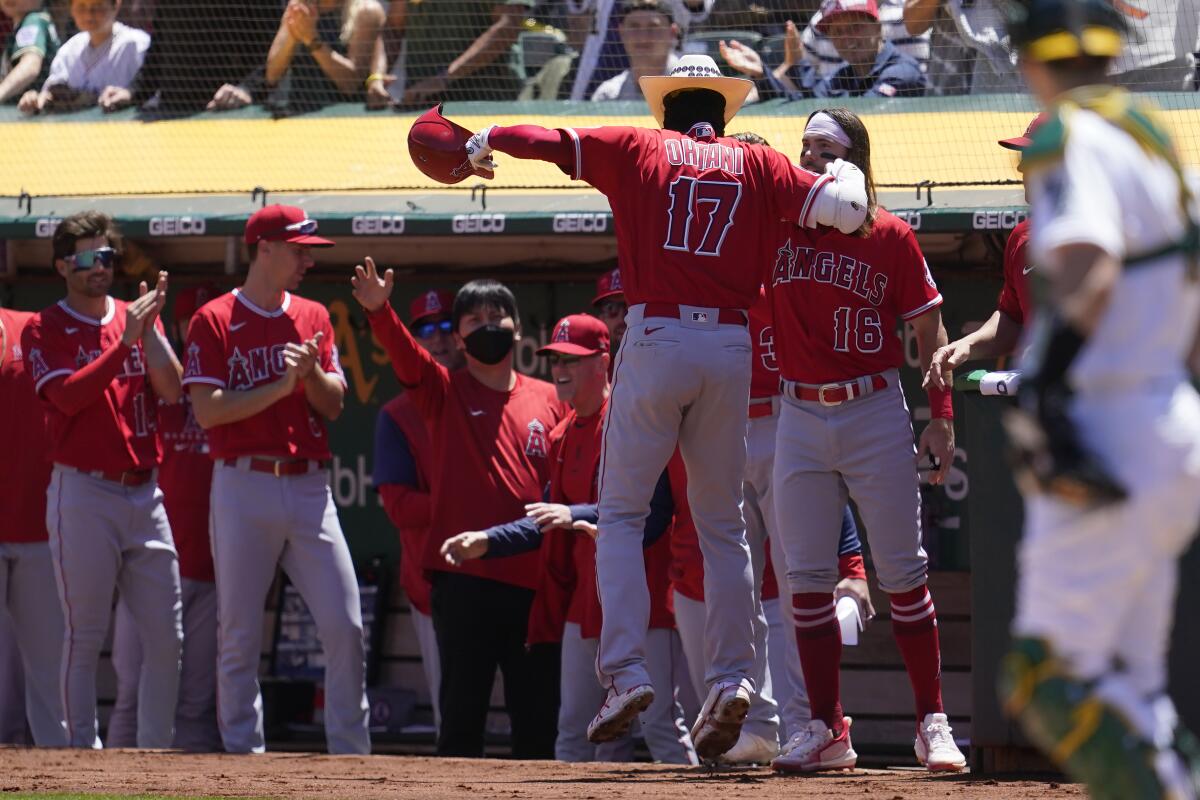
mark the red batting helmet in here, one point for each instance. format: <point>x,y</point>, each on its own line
<point>438,147</point>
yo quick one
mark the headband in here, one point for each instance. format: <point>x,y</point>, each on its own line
<point>821,124</point>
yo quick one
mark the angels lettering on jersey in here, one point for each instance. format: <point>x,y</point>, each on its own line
<point>796,263</point>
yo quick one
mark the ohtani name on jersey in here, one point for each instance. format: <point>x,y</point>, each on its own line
<point>825,266</point>
<point>705,155</point>
<point>258,364</point>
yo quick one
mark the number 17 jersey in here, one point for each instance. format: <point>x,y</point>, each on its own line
<point>694,214</point>
<point>836,299</point>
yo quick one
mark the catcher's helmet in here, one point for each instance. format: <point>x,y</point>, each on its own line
<point>438,147</point>
<point>1052,30</point>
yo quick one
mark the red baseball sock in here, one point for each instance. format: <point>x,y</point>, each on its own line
<point>914,624</point>
<point>819,640</point>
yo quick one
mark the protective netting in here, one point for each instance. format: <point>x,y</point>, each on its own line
<point>936,82</point>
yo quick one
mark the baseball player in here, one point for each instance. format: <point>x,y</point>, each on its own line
<point>31,617</point>
<point>611,307</point>
<point>489,427</point>
<point>567,608</point>
<point>1107,424</point>
<point>403,471</point>
<point>845,431</point>
<point>263,375</point>
<point>690,208</point>
<point>185,477</point>
<point>999,335</point>
<point>100,365</point>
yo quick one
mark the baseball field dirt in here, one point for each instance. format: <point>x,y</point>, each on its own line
<point>127,773</point>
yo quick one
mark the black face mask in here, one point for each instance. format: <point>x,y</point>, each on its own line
<point>489,344</point>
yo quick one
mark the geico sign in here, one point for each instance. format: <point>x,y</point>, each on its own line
<point>580,223</point>
<point>177,226</point>
<point>45,226</point>
<point>998,220</point>
<point>477,223</point>
<point>913,218</point>
<point>377,225</point>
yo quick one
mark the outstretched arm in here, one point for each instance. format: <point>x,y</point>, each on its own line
<point>522,141</point>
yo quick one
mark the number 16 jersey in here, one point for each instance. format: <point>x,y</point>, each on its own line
<point>836,299</point>
<point>694,214</point>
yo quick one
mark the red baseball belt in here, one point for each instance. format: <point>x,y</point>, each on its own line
<point>133,477</point>
<point>279,467</point>
<point>834,394</point>
<point>725,316</point>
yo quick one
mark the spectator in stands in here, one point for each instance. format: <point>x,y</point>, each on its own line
<point>320,57</point>
<point>29,50</point>
<point>873,67</point>
<point>1156,56</point>
<point>95,66</point>
<point>969,49</point>
<point>820,48</point>
<point>649,38</point>
<point>458,50</point>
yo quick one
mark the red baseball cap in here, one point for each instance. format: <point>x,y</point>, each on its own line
<point>1021,142</point>
<point>189,299</point>
<point>434,303</point>
<point>609,285</point>
<point>835,8</point>
<point>578,335</point>
<point>283,224</point>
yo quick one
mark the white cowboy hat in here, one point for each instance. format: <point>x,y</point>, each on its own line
<point>695,72</point>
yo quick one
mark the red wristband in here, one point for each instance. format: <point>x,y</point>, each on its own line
<point>941,403</point>
<point>851,566</point>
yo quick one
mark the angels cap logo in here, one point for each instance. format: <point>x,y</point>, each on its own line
<point>615,283</point>
<point>462,169</point>
<point>432,304</point>
<point>563,332</point>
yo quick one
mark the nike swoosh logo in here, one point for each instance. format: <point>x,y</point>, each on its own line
<point>475,413</point>
<point>652,330</point>
<point>71,330</point>
<point>233,326</point>
<point>1027,270</point>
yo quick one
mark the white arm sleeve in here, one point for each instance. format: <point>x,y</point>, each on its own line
<point>842,202</point>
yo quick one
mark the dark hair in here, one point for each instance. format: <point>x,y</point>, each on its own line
<point>657,6</point>
<point>683,108</point>
<point>484,294</point>
<point>859,154</point>
<point>746,137</point>
<point>84,225</point>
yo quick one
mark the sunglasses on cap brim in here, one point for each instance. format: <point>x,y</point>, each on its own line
<point>427,329</point>
<point>90,259</point>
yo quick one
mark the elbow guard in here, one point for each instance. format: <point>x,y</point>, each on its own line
<point>842,202</point>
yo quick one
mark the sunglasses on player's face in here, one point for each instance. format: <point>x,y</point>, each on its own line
<point>612,308</point>
<point>427,329</point>
<point>90,259</point>
<point>555,359</point>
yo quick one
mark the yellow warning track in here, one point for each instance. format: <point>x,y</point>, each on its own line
<point>213,154</point>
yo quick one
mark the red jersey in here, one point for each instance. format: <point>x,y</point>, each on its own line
<point>408,506</point>
<point>569,558</point>
<point>836,299</point>
<point>492,449</point>
<point>234,344</point>
<point>116,432</point>
<point>1014,299</point>
<point>25,472</point>
<point>688,209</point>
<point>764,368</point>
<point>186,479</point>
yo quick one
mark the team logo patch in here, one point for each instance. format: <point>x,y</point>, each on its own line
<point>929,275</point>
<point>192,370</point>
<point>37,364</point>
<point>535,445</point>
<point>563,332</point>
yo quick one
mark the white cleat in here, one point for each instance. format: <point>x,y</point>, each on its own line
<point>720,722</point>
<point>620,709</point>
<point>750,749</point>
<point>815,749</point>
<point>935,747</point>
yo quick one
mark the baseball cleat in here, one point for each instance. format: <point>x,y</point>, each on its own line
<point>720,722</point>
<point>750,749</point>
<point>815,748</point>
<point>935,745</point>
<point>619,711</point>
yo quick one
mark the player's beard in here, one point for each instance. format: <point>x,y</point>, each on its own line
<point>97,285</point>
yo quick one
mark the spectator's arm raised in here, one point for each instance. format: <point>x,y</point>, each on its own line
<point>491,45</point>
